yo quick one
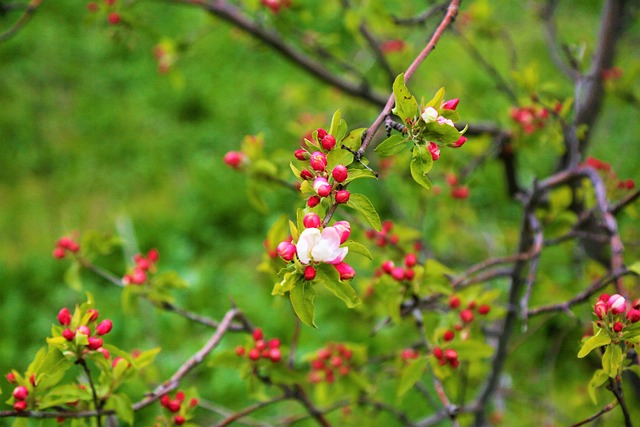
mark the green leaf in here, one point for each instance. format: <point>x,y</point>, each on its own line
<point>358,248</point>
<point>363,205</point>
<point>145,358</point>
<point>437,100</point>
<point>406,105</point>
<point>359,173</point>
<point>169,280</point>
<point>290,278</point>
<point>612,359</point>
<point>329,278</point>
<point>598,379</point>
<point>353,141</point>
<point>338,156</point>
<point>302,296</point>
<point>392,145</point>
<point>338,126</point>
<point>421,164</point>
<point>121,403</point>
<point>442,133</point>
<point>635,267</point>
<point>411,374</point>
<point>473,350</point>
<point>598,340</point>
<point>72,277</point>
<point>254,194</point>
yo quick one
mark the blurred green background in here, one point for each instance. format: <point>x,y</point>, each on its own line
<point>93,137</point>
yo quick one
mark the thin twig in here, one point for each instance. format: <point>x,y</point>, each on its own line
<point>22,21</point>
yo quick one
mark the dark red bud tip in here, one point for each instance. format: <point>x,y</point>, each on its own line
<point>309,272</point>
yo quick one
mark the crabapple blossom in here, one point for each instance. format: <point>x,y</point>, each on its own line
<point>443,121</point>
<point>434,150</point>
<point>429,115</point>
<point>320,246</point>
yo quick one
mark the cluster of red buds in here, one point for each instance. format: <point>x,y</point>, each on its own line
<point>276,5</point>
<point>64,245</point>
<point>325,183</point>
<point>612,73</point>
<point>458,191</point>
<point>113,17</point>
<point>467,315</point>
<point>612,314</point>
<point>329,360</point>
<point>180,412</point>
<point>431,115</point>
<point>94,338</point>
<point>144,265</point>
<point>22,391</point>
<point>318,244</point>
<point>609,173</point>
<point>446,356</point>
<point>532,118</point>
<point>383,237</point>
<point>261,349</point>
<point>400,273</point>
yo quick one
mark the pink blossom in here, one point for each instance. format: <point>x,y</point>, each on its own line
<point>322,186</point>
<point>442,121</point>
<point>286,250</point>
<point>344,230</point>
<point>320,246</point>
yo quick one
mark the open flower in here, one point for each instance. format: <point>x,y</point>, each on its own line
<point>320,246</point>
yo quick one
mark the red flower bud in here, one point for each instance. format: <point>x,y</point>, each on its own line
<point>274,343</point>
<point>449,335</point>
<point>318,161</point>
<point>321,134</point>
<point>180,396</point>
<point>68,334</point>
<point>84,330</point>
<point>306,174</point>
<point>633,315</point>
<point>20,392</point>
<point>179,420</point>
<point>64,316</point>
<point>454,301</point>
<point>113,18</point>
<point>254,354</point>
<point>11,377</point>
<point>94,314</point>
<point>434,150</point>
<point>322,186</point>
<point>193,402</point>
<point>257,334</point>
<point>484,309</point>
<point>409,274</point>
<point>340,173</point>
<point>309,272</point>
<point>58,253</point>
<point>617,304</point>
<point>286,250</point>
<point>388,266</point>
<point>466,315</point>
<point>104,327</point>
<point>460,192</point>
<point>311,220</point>
<point>437,353</point>
<point>451,104</point>
<point>410,260</point>
<point>95,343</point>
<point>398,273</point>
<point>313,201</point>
<point>328,142</point>
<point>600,309</point>
<point>20,405</point>
<point>450,354</point>
<point>240,351</point>
<point>301,154</point>
<point>275,355</point>
<point>153,255</point>
<point>342,196</point>
<point>617,327</point>
<point>173,405</point>
<point>460,142</point>
<point>345,270</point>
<point>234,159</point>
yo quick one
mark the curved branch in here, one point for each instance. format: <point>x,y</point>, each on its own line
<point>22,21</point>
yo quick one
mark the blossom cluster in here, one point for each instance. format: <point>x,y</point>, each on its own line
<point>612,314</point>
<point>143,265</point>
<point>431,115</point>
<point>262,348</point>
<point>532,118</point>
<point>329,360</point>
<point>88,326</point>
<point>609,174</point>
<point>325,183</point>
<point>64,245</point>
<point>180,412</point>
<point>113,17</point>
<point>318,244</point>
